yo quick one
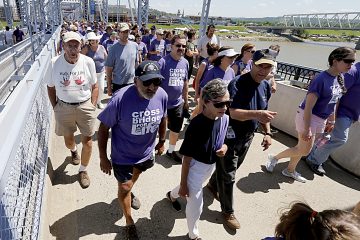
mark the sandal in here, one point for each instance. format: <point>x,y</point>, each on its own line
<point>130,232</point>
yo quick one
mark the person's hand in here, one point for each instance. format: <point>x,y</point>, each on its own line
<point>159,148</point>
<point>266,142</point>
<point>273,89</point>
<point>265,116</point>
<point>183,191</point>
<point>306,135</point>
<point>109,91</point>
<point>222,151</point>
<point>105,165</point>
<point>329,127</point>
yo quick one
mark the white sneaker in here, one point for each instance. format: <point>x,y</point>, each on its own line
<point>295,175</point>
<point>271,163</point>
<point>100,105</point>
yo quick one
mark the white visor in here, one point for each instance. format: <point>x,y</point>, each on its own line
<point>228,53</point>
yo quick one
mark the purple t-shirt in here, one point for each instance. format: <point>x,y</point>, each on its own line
<point>349,103</point>
<point>157,45</point>
<point>217,72</point>
<point>134,122</point>
<point>328,91</point>
<point>175,75</point>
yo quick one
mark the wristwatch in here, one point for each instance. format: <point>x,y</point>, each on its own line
<point>269,134</point>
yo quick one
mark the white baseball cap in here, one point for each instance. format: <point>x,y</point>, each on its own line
<point>68,36</point>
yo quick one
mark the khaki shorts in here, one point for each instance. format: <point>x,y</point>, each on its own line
<point>70,117</point>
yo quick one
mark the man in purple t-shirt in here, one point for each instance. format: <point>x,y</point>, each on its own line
<point>174,68</point>
<point>135,114</point>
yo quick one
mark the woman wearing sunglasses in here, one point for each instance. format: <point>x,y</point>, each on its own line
<point>244,59</point>
<point>203,145</point>
<point>316,112</point>
<point>221,69</point>
<point>98,53</point>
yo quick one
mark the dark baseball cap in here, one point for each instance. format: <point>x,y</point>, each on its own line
<point>263,56</point>
<point>148,70</point>
<point>153,27</point>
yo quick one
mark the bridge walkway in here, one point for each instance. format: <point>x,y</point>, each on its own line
<point>70,212</point>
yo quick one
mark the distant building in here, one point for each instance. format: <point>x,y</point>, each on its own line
<point>15,14</point>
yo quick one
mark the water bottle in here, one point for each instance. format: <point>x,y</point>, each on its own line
<point>322,139</point>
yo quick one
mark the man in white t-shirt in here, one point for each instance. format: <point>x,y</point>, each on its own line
<point>73,93</point>
<point>204,40</point>
<point>8,36</point>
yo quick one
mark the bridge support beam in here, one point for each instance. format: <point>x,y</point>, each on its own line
<point>142,12</point>
<point>204,16</point>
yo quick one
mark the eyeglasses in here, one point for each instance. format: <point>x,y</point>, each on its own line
<point>250,51</point>
<point>180,45</point>
<point>222,104</point>
<point>156,81</point>
<point>349,61</point>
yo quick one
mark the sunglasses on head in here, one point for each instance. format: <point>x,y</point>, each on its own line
<point>156,81</point>
<point>222,104</point>
<point>348,61</point>
<point>180,45</point>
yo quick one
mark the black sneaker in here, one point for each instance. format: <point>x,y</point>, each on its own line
<point>131,233</point>
<point>175,204</point>
<point>315,168</point>
<point>174,156</point>
<point>135,202</point>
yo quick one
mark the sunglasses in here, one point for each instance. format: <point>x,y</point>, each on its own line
<point>180,45</point>
<point>222,104</point>
<point>348,61</point>
<point>252,51</point>
<point>156,81</point>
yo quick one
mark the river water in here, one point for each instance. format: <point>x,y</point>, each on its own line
<point>312,55</point>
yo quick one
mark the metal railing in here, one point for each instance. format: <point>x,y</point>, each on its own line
<point>24,130</point>
<point>299,76</point>
<point>12,63</point>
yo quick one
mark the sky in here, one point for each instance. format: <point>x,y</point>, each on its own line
<point>253,8</point>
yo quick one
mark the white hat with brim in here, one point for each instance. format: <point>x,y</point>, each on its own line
<point>92,36</point>
<point>228,53</point>
<point>123,27</point>
<point>68,36</point>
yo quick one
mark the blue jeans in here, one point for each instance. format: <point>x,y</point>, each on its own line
<point>339,137</point>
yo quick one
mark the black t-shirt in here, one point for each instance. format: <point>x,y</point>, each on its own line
<point>197,142</point>
<point>248,95</point>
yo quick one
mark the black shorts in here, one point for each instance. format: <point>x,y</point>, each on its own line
<point>124,173</point>
<point>175,118</point>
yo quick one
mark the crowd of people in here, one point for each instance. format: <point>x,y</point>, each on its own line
<point>147,73</point>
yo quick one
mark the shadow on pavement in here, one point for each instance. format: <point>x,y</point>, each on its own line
<point>98,218</point>
<point>160,224</point>
<point>341,176</point>
<point>59,175</point>
<point>264,181</point>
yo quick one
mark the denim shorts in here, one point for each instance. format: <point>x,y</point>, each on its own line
<point>124,173</point>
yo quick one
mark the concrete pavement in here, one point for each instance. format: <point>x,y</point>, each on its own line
<point>70,212</point>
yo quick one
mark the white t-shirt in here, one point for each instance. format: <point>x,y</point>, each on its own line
<point>9,36</point>
<point>73,82</point>
<point>203,41</point>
